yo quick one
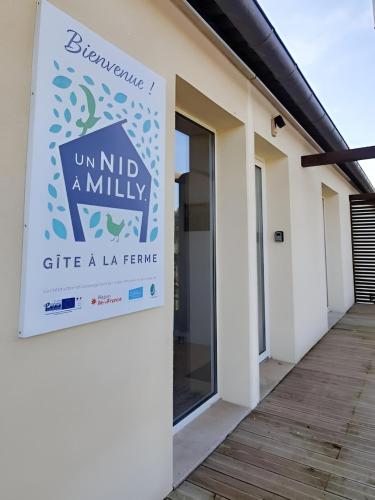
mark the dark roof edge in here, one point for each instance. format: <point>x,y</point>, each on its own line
<point>243,25</point>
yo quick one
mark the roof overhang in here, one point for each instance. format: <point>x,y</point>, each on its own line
<point>248,34</point>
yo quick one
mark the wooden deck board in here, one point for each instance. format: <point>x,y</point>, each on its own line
<point>233,488</point>
<point>305,436</point>
<point>313,437</point>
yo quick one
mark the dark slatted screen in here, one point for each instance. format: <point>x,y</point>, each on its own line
<point>362,208</point>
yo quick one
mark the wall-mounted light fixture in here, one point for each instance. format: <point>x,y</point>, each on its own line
<point>276,123</point>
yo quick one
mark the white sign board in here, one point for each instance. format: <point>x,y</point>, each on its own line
<point>94,210</point>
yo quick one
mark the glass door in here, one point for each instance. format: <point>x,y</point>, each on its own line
<point>260,262</point>
<point>194,335</point>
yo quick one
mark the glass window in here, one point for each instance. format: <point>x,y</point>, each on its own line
<point>194,269</point>
<point>260,261</point>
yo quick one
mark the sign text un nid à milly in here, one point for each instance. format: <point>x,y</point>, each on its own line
<point>94,211</point>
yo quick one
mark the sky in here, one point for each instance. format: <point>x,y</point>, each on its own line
<point>333,43</point>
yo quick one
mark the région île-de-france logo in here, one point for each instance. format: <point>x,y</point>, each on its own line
<point>104,169</point>
<point>102,300</point>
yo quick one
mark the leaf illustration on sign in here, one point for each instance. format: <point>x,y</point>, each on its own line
<point>94,219</point>
<point>59,228</point>
<point>62,82</point>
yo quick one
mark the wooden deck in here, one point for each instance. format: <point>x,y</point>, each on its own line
<point>313,437</point>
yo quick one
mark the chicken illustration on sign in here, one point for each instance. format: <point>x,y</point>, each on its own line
<point>113,228</point>
<point>104,169</point>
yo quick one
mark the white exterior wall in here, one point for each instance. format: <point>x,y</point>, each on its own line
<point>297,282</point>
<point>86,413</point>
<point>308,253</point>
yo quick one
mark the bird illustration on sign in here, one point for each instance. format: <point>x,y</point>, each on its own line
<point>113,228</point>
<point>91,107</point>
